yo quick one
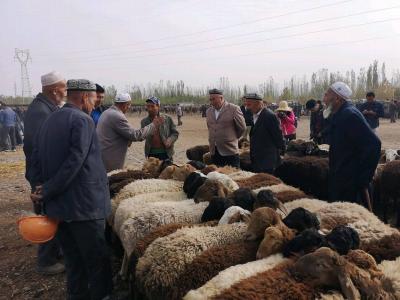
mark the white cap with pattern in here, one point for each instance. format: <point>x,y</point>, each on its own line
<point>122,98</point>
<point>51,78</point>
<point>341,89</point>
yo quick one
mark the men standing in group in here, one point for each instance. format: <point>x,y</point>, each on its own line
<point>71,182</point>
<point>354,148</point>
<point>115,133</point>
<point>226,125</point>
<point>372,111</point>
<point>316,120</point>
<point>248,118</point>
<point>266,139</point>
<point>98,106</point>
<point>160,143</point>
<point>54,88</point>
<point>179,114</point>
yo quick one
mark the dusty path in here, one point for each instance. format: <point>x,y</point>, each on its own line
<point>18,279</point>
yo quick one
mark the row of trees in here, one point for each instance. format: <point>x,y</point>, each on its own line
<point>373,78</point>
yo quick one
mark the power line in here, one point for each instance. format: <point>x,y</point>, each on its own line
<point>213,29</point>
<point>253,41</point>
<point>241,35</point>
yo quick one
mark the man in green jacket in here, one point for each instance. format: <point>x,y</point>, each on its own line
<point>160,143</point>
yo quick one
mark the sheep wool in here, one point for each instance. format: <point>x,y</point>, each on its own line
<point>155,214</point>
<point>165,259</point>
<point>391,270</point>
<point>230,212</point>
<point>277,188</point>
<point>113,172</point>
<point>228,182</point>
<point>232,275</point>
<point>241,175</point>
<point>136,203</point>
<point>311,205</point>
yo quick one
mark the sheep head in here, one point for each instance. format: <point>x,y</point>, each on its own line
<point>260,219</point>
<point>268,199</point>
<point>152,165</point>
<point>244,198</point>
<point>301,219</point>
<point>209,189</point>
<point>167,172</point>
<point>326,268</point>
<point>215,209</point>
<point>275,237</point>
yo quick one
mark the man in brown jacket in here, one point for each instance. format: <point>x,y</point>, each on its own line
<point>226,125</point>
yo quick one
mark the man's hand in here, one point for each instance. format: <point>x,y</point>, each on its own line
<point>168,143</point>
<point>365,112</point>
<point>36,195</point>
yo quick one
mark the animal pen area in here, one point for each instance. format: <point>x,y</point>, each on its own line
<point>174,249</point>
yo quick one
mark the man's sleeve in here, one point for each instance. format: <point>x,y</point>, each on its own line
<point>123,128</point>
<point>274,128</point>
<point>80,141</point>
<point>239,122</point>
<point>368,146</point>
<point>174,133</point>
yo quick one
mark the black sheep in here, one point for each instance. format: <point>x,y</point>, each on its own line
<point>342,239</point>
<point>244,198</point>
<point>306,242</point>
<point>199,165</point>
<point>301,219</point>
<point>266,198</point>
<point>197,152</point>
<point>192,183</point>
<point>216,208</point>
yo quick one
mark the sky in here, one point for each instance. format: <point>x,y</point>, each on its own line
<point>127,42</point>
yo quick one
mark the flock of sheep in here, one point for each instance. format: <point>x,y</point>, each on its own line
<point>200,232</point>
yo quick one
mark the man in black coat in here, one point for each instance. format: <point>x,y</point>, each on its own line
<point>53,92</point>
<point>248,118</point>
<point>354,148</point>
<point>72,185</point>
<point>266,139</point>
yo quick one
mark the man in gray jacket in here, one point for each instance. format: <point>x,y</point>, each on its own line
<point>115,133</point>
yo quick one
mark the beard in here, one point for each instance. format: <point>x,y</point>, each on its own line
<point>327,111</point>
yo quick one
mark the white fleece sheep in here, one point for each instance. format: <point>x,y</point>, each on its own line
<point>135,204</point>
<point>232,275</point>
<point>230,212</point>
<point>240,175</point>
<point>165,259</point>
<point>391,270</point>
<point>145,186</point>
<point>152,215</point>
<point>116,172</point>
<point>312,205</point>
<point>228,182</point>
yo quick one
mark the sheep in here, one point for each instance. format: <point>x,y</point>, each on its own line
<point>306,242</point>
<point>229,183</point>
<point>197,152</point>
<point>243,197</point>
<point>282,187</point>
<point>301,219</point>
<point>209,263</point>
<point>275,237</point>
<point>135,204</point>
<point>234,214</point>
<point>207,158</point>
<point>267,198</point>
<point>209,189</point>
<point>312,205</point>
<point>159,269</point>
<point>209,169</point>
<point>389,181</point>
<point>385,248</point>
<point>326,268</point>
<point>245,161</point>
<point>225,279</point>
<point>216,209</point>
<point>258,180</point>
<point>308,173</point>
<point>198,165</point>
<point>120,179</point>
<point>152,166</point>
<point>260,219</point>
<point>288,196</point>
<point>244,143</point>
<point>391,271</point>
<point>177,172</point>
<point>342,239</point>
<point>301,148</point>
<point>192,183</point>
<point>155,214</point>
<point>240,175</point>
<point>113,172</point>
<point>389,155</point>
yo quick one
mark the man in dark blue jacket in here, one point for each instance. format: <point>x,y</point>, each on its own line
<point>372,111</point>
<point>354,148</point>
<point>72,184</point>
<point>54,88</point>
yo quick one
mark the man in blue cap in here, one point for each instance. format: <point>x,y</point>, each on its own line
<point>160,143</point>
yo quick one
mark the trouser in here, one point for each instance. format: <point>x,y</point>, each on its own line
<point>3,138</point>
<point>230,160</point>
<point>10,131</point>
<point>160,156</point>
<point>246,133</point>
<point>393,118</point>
<point>87,259</point>
<point>179,120</point>
<point>49,253</point>
<point>290,137</point>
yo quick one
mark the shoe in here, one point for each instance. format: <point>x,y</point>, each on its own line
<point>57,268</point>
<point>7,150</point>
<point>13,150</point>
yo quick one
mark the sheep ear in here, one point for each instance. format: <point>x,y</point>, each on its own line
<point>222,191</point>
<point>246,219</point>
<point>348,289</point>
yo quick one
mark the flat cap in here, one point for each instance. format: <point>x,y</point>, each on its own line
<point>51,78</point>
<point>81,85</point>
<point>253,96</point>
<point>153,100</point>
<point>216,91</point>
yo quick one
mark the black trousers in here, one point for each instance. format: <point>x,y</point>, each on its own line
<point>230,160</point>
<point>11,133</point>
<point>49,253</point>
<point>87,259</point>
<point>160,156</point>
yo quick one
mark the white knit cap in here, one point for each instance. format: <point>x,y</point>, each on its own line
<point>341,89</point>
<point>122,98</point>
<point>51,78</point>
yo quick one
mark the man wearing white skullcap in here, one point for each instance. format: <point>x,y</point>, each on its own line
<point>53,92</point>
<point>354,149</point>
<point>116,134</point>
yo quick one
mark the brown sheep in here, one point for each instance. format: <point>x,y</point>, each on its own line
<point>118,181</point>
<point>289,196</point>
<point>389,189</point>
<point>209,189</point>
<point>209,263</point>
<point>207,159</point>
<point>224,170</point>
<point>245,161</point>
<point>386,248</point>
<point>152,166</point>
<point>209,169</point>
<point>197,152</point>
<point>260,219</point>
<point>275,237</point>
<point>179,173</point>
<point>258,180</point>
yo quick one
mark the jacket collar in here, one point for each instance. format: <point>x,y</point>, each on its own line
<point>260,118</point>
<point>222,109</point>
<point>42,98</point>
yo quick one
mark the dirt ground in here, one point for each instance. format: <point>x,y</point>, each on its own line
<point>18,279</point>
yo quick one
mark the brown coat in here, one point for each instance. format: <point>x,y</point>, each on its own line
<point>226,130</point>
